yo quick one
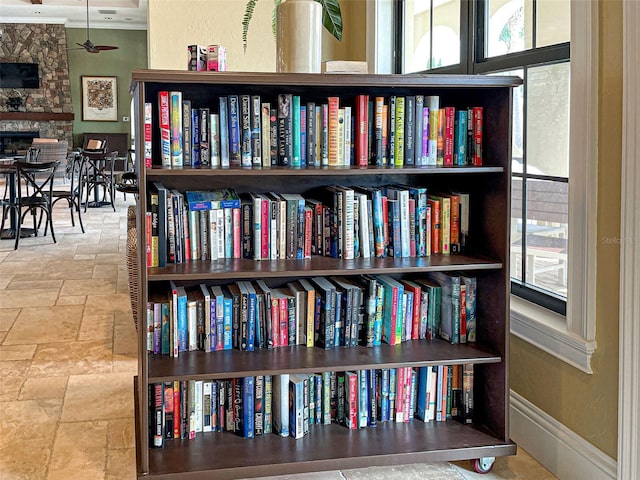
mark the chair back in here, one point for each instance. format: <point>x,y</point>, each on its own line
<point>95,145</point>
<point>37,177</point>
<point>52,152</point>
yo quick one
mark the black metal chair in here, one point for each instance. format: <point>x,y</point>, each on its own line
<point>38,177</point>
<point>73,194</point>
<point>97,174</point>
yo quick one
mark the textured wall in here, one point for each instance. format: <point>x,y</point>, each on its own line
<point>588,404</point>
<point>44,44</point>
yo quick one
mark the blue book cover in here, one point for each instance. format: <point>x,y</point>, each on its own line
<point>212,199</point>
<point>195,137</point>
<point>295,134</point>
<point>363,399</point>
<point>296,406</point>
<point>419,194</point>
<point>227,322</point>
<point>248,385</point>
<point>384,395</point>
<point>372,386</point>
<point>393,378</point>
<point>224,132</point>
<point>408,316</point>
<point>245,131</point>
<point>460,143</point>
<point>422,398</point>
<point>252,318</point>
<point>183,333</point>
<point>235,157</point>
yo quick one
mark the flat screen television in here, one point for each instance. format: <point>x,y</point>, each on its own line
<point>19,75</point>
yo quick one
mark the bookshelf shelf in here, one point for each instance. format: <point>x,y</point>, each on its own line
<point>325,447</point>
<point>486,257</point>
<point>300,359</point>
<point>316,266</point>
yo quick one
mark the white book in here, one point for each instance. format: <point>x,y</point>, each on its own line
<point>213,234</point>
<point>341,136</point>
<point>280,401</point>
<point>266,134</point>
<point>198,405</point>
<point>347,135</point>
<point>192,324</point>
<point>214,142</point>
<point>402,196</point>
<point>220,230</point>
<point>257,226</point>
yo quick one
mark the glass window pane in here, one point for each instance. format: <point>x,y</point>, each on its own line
<point>417,35</point>
<point>510,26</point>
<point>547,235</point>
<point>516,228</point>
<point>446,33</point>
<point>548,120</point>
<point>553,22</point>
<point>419,51</point>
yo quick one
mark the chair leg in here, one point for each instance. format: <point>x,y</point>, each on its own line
<point>79,213</point>
<point>50,220</point>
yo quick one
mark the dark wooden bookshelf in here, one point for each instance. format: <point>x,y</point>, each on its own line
<point>331,447</point>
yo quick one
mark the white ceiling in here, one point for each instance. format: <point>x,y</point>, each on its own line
<point>116,14</point>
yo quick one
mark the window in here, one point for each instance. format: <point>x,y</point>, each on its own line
<point>553,212</point>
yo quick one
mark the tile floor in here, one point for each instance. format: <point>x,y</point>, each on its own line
<point>68,357</point>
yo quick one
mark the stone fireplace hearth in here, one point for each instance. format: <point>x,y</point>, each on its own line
<point>46,110</point>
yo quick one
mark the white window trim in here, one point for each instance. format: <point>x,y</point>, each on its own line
<point>572,338</point>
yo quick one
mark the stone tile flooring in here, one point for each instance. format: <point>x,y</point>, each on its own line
<point>68,357</point>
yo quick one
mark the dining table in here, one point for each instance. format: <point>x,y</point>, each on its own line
<point>10,170</point>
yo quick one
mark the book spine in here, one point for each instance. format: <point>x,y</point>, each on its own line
<point>295,131</point>
<point>333,134</point>
<point>311,135</point>
<point>425,136</point>
<point>303,135</point>
<point>477,135</point>
<point>205,135</point>
<point>418,129</point>
<point>433,103</point>
<point>285,130</point>
<point>273,136</point>
<point>361,134</point>
<point>256,134</point>
<point>379,124</point>
<point>195,137</point>
<point>347,157</point>
<point>186,132</point>
<point>245,131</point>
<point>265,133</point>
<point>233,109</point>
<point>391,136</point>
<point>409,131</point>
<point>175,99</point>
<point>214,144</point>
<point>165,128</point>
<point>148,135</point>
<point>224,133</point>
<point>449,119</point>
<point>460,145</point>
<point>259,406</point>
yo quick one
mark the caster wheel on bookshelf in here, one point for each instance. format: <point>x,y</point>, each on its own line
<point>483,465</point>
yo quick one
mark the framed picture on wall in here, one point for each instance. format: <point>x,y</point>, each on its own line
<point>100,99</point>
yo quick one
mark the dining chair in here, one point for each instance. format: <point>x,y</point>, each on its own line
<point>73,194</point>
<point>97,175</point>
<point>38,177</point>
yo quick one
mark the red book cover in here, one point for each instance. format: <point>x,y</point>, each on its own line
<point>442,122</point>
<point>417,296</point>
<point>165,128</point>
<point>435,225</point>
<point>308,231</point>
<point>362,130</point>
<point>477,135</point>
<point>275,321</point>
<point>333,107</point>
<point>176,409</point>
<point>385,222</point>
<point>352,404</point>
<point>463,313</point>
<point>283,326</point>
<point>264,231</point>
<point>237,233</point>
<point>449,118</point>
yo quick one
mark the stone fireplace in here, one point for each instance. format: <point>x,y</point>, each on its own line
<point>46,110</point>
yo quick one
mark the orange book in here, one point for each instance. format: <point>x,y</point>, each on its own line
<point>435,225</point>
<point>362,130</point>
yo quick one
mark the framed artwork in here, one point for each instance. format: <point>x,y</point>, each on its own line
<point>100,99</point>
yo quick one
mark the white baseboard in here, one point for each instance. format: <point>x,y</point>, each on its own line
<point>564,453</point>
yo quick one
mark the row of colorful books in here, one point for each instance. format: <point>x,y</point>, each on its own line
<point>396,221</point>
<point>252,131</point>
<point>291,404</point>
<point>324,312</point>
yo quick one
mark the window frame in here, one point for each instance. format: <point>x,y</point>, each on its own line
<point>569,337</point>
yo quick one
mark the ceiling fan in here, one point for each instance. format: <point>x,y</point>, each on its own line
<point>88,45</point>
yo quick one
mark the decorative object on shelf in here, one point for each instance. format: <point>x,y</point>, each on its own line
<point>298,36</point>
<point>100,99</point>
<point>331,20</point>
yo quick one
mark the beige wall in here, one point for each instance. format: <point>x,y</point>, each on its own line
<point>587,404</point>
<point>175,24</point>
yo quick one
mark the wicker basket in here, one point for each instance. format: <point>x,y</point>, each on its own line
<point>132,262</point>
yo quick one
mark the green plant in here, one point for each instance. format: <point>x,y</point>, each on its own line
<point>331,18</point>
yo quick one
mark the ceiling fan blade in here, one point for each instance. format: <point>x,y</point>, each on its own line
<point>106,47</point>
